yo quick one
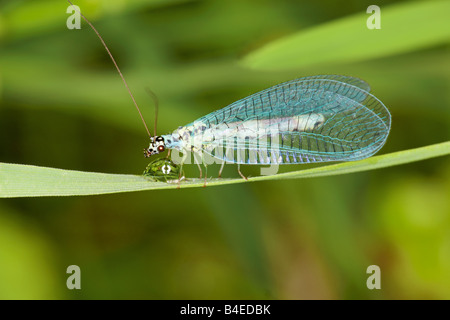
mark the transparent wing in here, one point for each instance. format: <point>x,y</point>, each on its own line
<point>312,119</point>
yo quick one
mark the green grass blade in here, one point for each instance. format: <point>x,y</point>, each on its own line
<point>18,180</point>
<point>404,27</point>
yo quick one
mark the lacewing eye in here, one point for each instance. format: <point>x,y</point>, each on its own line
<point>161,148</point>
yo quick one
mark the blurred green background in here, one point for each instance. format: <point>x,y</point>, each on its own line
<point>63,105</point>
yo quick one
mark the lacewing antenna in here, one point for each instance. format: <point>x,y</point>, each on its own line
<point>117,67</point>
<point>155,100</point>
